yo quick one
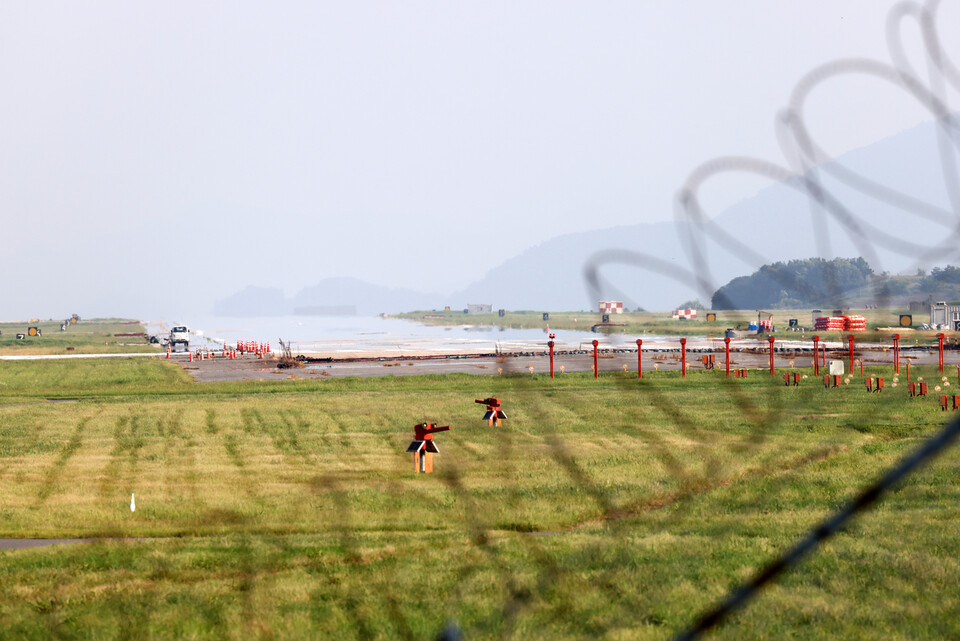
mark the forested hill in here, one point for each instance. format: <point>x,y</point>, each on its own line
<point>797,283</point>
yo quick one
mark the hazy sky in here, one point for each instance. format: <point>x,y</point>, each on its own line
<point>171,153</point>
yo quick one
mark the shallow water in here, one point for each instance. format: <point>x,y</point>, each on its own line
<point>342,335</point>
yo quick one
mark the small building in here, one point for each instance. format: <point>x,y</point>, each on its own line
<point>611,306</point>
<point>947,316</point>
<point>479,308</point>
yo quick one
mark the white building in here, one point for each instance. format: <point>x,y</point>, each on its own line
<point>479,308</point>
<point>947,316</point>
<point>611,307</point>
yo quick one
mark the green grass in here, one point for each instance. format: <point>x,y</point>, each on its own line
<point>289,509</point>
<point>95,336</point>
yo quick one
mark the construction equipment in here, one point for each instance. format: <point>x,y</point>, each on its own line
<point>764,324</point>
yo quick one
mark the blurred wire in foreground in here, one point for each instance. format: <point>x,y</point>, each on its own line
<point>824,531</point>
<point>807,170</point>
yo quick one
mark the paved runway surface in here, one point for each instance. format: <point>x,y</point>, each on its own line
<point>662,355</point>
<point>255,369</point>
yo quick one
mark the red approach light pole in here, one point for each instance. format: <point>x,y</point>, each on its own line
<point>726,347</point>
<point>940,348</point>
<point>771,355</point>
<point>896,353</point>
<point>596,361</point>
<point>816,355</point>
<point>683,356</point>
<point>550,344</point>
<point>851,339</point>
<point>639,358</point>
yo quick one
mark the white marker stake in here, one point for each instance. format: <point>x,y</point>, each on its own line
<point>133,504</point>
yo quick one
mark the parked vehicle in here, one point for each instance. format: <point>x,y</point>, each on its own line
<point>179,339</point>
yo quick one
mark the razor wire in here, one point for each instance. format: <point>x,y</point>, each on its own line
<point>743,594</point>
<point>804,160</point>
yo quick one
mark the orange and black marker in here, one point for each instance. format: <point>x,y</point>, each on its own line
<point>423,447</point>
<point>493,413</point>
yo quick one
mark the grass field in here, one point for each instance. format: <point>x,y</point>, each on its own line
<point>615,508</point>
<point>97,336</point>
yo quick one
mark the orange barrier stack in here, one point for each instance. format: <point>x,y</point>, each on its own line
<point>829,324</point>
<point>854,323</point>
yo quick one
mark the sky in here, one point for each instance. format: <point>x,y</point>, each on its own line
<point>163,155</point>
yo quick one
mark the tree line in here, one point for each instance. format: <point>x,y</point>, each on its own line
<point>796,283</point>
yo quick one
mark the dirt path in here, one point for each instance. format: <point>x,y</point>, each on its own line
<point>20,544</point>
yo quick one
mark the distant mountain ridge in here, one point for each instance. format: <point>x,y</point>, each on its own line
<point>775,223</point>
<point>331,296</point>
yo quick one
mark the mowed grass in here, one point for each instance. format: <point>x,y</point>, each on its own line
<point>615,508</point>
<point>97,336</point>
